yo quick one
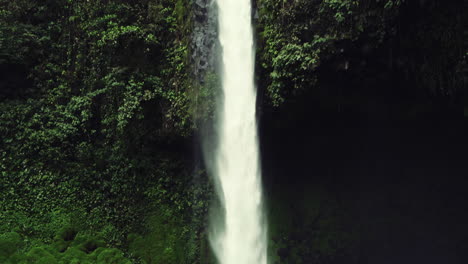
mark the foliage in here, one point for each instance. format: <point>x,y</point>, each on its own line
<point>301,42</point>
<point>176,220</point>
<point>297,36</point>
<point>95,99</point>
<point>164,242</point>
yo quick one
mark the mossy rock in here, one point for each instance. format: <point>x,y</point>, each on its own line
<point>9,244</point>
<point>64,239</point>
<point>14,259</point>
<point>61,245</point>
<point>79,239</point>
<point>75,256</point>
<point>40,255</point>
<point>68,248</point>
<point>164,242</point>
<point>69,237</point>
<point>91,244</point>
<point>67,233</point>
<point>111,256</point>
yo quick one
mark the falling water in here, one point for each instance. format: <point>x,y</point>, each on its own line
<point>237,166</point>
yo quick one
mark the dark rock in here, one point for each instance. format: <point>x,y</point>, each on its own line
<point>204,38</point>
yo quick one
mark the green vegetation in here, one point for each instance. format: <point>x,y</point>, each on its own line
<point>93,99</point>
<point>299,40</point>
<point>67,248</point>
<point>298,36</point>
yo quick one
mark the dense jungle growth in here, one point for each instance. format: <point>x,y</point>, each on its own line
<point>101,108</point>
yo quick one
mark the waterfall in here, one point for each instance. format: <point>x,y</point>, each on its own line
<point>236,163</point>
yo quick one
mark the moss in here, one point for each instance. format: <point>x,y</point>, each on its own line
<point>75,256</point>
<point>80,239</point>
<point>97,252</point>
<point>14,259</point>
<point>9,244</point>
<point>40,255</point>
<point>82,249</point>
<point>67,233</point>
<point>111,256</point>
<point>91,245</point>
<point>60,245</point>
<point>165,241</point>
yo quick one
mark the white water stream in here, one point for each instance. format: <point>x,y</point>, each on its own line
<point>237,166</point>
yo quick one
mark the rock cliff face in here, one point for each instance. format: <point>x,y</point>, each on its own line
<point>204,38</point>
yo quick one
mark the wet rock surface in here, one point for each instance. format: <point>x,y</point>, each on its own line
<point>204,38</point>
